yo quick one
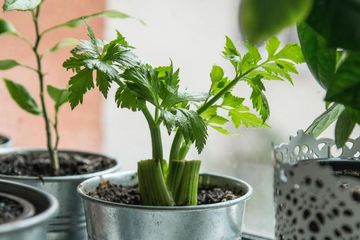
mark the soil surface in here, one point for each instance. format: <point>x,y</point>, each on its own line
<point>38,164</point>
<point>131,195</point>
<point>9,210</point>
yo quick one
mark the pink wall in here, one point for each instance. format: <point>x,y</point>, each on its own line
<point>80,128</point>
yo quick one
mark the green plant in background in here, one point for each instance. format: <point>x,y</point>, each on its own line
<point>329,34</point>
<point>18,92</point>
<point>155,92</point>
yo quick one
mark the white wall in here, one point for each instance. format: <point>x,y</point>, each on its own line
<point>191,33</point>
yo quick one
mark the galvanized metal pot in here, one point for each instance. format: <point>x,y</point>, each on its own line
<point>113,221</point>
<point>70,223</point>
<point>29,228</point>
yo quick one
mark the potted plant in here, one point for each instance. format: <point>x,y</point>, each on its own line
<point>55,171</point>
<point>162,200</point>
<point>331,50</point>
<point>25,211</point>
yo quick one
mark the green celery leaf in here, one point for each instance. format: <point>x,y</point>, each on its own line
<point>344,126</point>
<point>8,64</point>
<point>261,19</point>
<point>246,118</point>
<point>141,80</point>
<point>272,46</point>
<point>290,51</point>
<point>231,100</point>
<point>189,123</point>
<point>176,98</point>
<point>22,97</point>
<point>79,84</point>
<point>20,5</point>
<point>59,96</point>
<point>345,88</point>
<point>338,22</point>
<point>218,120</point>
<point>322,122</point>
<point>320,58</point>
<point>220,129</point>
<point>209,113</point>
<point>216,74</point>
<point>6,27</point>
<point>125,98</point>
<point>231,53</point>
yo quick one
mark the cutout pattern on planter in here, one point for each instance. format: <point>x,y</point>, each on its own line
<point>313,201</point>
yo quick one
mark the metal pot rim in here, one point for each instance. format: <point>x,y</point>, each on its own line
<point>244,197</point>
<point>28,207</point>
<point>38,218</point>
<point>58,178</point>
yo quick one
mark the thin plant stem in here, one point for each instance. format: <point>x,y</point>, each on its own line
<point>52,152</point>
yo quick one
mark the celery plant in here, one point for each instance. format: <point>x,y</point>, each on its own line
<point>18,92</point>
<point>154,91</point>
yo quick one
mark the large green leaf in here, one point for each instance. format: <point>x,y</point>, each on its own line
<point>6,27</point>
<point>22,97</point>
<point>338,22</point>
<point>20,5</point>
<point>344,127</point>
<point>8,64</point>
<point>322,122</point>
<point>261,19</point>
<point>59,96</point>
<point>345,88</point>
<point>320,58</point>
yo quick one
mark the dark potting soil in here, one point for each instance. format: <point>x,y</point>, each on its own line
<point>131,195</point>
<point>9,210</point>
<point>38,164</point>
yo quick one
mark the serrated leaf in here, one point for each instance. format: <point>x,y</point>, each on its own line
<point>216,119</point>
<point>210,112</point>
<point>291,52</point>
<point>59,96</point>
<point>220,129</point>
<point>20,5</point>
<point>261,19</point>
<point>272,45</point>
<point>103,82</point>
<point>231,53</point>
<point>344,126</point>
<point>125,98</point>
<point>176,98</point>
<point>66,42</point>
<point>189,123</point>
<point>216,74</point>
<point>8,64</point>
<point>79,84</point>
<point>22,97</point>
<point>6,27</point>
<point>231,100</point>
<point>246,119</point>
<point>322,122</point>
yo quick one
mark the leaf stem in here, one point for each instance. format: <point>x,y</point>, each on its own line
<point>157,151</point>
<point>178,139</point>
<point>52,152</point>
